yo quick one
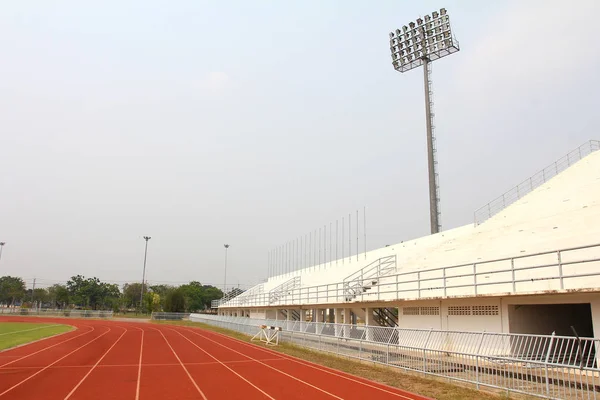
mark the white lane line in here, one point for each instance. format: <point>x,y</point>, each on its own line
<point>182,365</point>
<point>136,365</point>
<point>29,330</point>
<point>48,366</point>
<point>274,369</point>
<point>95,365</point>
<point>139,378</point>
<point>223,364</point>
<point>46,348</point>
<point>297,360</point>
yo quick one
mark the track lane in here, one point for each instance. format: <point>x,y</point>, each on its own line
<point>214,372</point>
<point>277,383</point>
<point>39,382</point>
<point>344,385</point>
<point>164,381</point>
<point>12,356</point>
<point>135,361</point>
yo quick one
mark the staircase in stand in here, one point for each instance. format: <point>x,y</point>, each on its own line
<point>366,278</point>
<point>283,290</point>
<point>295,314</point>
<point>386,316</point>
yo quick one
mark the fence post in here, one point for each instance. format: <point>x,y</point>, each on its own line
<point>419,284</point>
<point>546,363</point>
<point>477,354</point>
<point>425,351</point>
<point>387,354</point>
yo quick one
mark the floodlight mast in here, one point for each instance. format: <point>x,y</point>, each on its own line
<point>413,46</point>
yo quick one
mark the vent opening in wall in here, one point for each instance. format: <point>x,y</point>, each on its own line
<point>459,310</point>
<point>410,310</point>
<point>420,311</point>
<point>485,310</point>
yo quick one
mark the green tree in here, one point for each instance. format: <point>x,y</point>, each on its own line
<point>92,293</point>
<point>12,289</point>
<point>175,301</point>
<point>59,295</point>
<point>131,294</point>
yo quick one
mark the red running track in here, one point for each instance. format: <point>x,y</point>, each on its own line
<point>132,360</point>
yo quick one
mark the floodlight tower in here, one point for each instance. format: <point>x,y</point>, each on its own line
<point>415,45</point>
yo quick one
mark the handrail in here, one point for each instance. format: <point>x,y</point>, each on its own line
<point>404,283</point>
<point>367,277</point>
<point>276,293</point>
<point>533,182</point>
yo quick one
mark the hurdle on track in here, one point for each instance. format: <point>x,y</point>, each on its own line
<point>268,335</point>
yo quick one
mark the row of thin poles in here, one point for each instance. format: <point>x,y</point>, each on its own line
<point>320,248</point>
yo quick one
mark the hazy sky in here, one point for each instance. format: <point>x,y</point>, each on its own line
<point>251,123</point>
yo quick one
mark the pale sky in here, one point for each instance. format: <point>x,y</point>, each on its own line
<point>253,123</point>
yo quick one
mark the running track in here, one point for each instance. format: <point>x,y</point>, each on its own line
<point>123,360</point>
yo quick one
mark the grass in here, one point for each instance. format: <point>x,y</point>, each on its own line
<point>16,333</point>
<point>430,387</point>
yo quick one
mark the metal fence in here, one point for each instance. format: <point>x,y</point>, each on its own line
<point>528,185</point>
<point>170,316</point>
<point>545,366</point>
<point>557,270</point>
<point>51,312</point>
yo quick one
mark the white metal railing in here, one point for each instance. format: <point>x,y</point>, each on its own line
<point>282,290</point>
<point>231,295</point>
<point>564,269</point>
<point>531,183</point>
<point>545,366</point>
<point>170,316</point>
<point>367,277</point>
<point>50,312</point>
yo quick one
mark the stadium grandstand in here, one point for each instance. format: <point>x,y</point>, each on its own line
<point>529,263</point>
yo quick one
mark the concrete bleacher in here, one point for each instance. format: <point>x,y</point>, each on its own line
<point>564,212</point>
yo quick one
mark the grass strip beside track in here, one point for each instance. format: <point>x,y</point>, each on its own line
<point>429,387</point>
<point>17,333</point>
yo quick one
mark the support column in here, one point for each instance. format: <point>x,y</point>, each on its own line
<point>369,323</point>
<point>347,322</point>
<point>303,317</point>
<point>338,321</point>
<point>290,322</point>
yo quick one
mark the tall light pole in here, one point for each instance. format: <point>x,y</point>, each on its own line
<point>1,247</point>
<point>415,45</point>
<point>146,238</point>
<point>225,282</point>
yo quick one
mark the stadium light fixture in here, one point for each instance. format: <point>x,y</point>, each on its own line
<point>415,45</point>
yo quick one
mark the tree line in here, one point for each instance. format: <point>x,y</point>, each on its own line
<point>93,294</point>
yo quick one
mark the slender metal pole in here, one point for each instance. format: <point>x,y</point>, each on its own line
<point>365,228</point>
<point>146,238</point>
<point>433,200</point>
<point>337,232</point>
<point>357,250</point>
<point>225,279</point>
<point>349,237</point>
<point>343,239</point>
<point>1,247</point>
<point>330,244</point>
